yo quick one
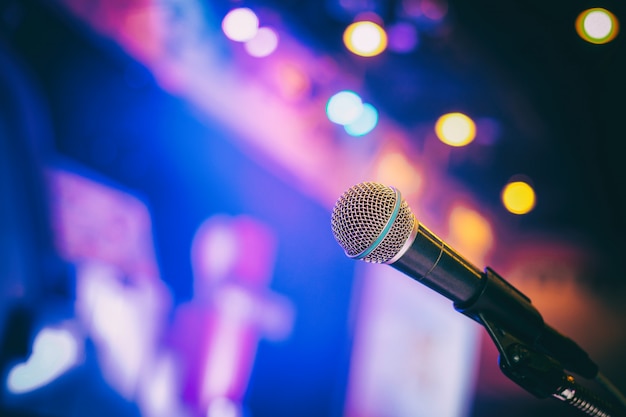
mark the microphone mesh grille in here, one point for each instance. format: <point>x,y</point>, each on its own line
<point>360,215</point>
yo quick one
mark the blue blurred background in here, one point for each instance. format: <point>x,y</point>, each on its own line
<point>166,190</point>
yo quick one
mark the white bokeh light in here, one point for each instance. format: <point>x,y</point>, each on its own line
<point>344,107</point>
<point>598,24</point>
<point>240,24</point>
<point>364,123</point>
<point>263,44</point>
<point>365,38</point>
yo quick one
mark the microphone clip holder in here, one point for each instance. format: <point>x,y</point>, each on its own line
<point>543,376</point>
<point>508,309</point>
<point>519,333</point>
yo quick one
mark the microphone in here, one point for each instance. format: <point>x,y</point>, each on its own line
<point>373,223</point>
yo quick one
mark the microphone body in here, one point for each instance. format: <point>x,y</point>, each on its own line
<point>372,222</point>
<point>432,262</point>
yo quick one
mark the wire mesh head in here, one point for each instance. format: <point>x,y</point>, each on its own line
<point>362,214</point>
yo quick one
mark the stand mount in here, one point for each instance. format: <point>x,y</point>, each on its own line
<point>534,355</point>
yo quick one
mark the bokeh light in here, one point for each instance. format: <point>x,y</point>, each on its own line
<point>434,10</point>
<point>455,129</point>
<point>240,24</point>
<point>54,352</point>
<point>367,120</point>
<point>365,38</point>
<point>403,37</point>
<point>344,107</point>
<point>223,407</point>
<point>394,168</point>
<point>518,197</point>
<point>471,232</point>
<point>597,25</point>
<point>263,44</point>
<point>292,81</point>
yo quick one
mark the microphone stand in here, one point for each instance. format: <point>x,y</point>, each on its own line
<point>544,377</point>
<point>534,369</point>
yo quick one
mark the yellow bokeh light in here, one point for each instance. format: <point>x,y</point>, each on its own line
<point>597,25</point>
<point>518,197</point>
<point>455,129</point>
<point>365,38</point>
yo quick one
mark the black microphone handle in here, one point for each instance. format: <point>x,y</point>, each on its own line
<point>433,263</point>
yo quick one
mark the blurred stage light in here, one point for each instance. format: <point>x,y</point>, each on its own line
<point>240,24</point>
<point>434,10</point>
<point>223,407</point>
<point>54,352</point>
<point>407,343</point>
<point>293,82</point>
<point>231,311</point>
<point>597,25</point>
<point>471,233</point>
<point>365,38</point>
<point>122,320</point>
<point>425,10</point>
<point>488,130</point>
<point>367,120</point>
<point>263,44</point>
<point>403,37</point>
<point>158,394</point>
<point>218,251</point>
<point>518,197</point>
<point>455,129</point>
<point>344,107</point>
<point>394,168</point>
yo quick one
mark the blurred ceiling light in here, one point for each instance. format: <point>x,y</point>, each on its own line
<point>455,129</point>
<point>344,107</point>
<point>518,197</point>
<point>597,25</point>
<point>365,38</point>
<point>263,44</point>
<point>367,120</point>
<point>240,25</point>
<point>54,352</point>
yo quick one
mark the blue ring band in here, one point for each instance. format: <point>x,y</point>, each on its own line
<point>383,233</point>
